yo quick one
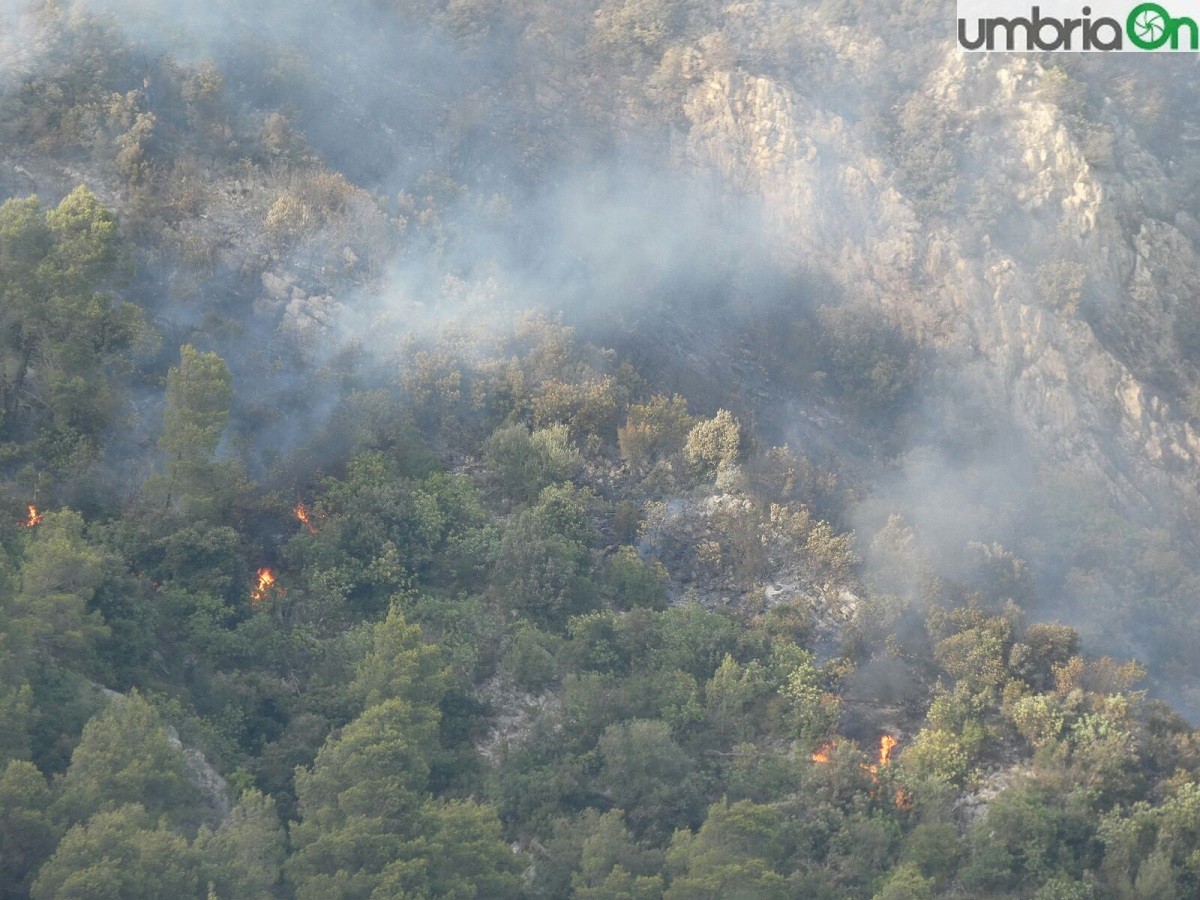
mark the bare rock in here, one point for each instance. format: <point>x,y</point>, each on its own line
<point>306,319</point>
<point>276,286</point>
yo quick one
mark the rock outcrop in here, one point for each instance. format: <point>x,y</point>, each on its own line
<point>1084,383</point>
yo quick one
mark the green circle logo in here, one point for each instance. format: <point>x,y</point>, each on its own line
<point>1148,26</point>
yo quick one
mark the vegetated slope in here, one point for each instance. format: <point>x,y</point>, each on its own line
<point>561,450</point>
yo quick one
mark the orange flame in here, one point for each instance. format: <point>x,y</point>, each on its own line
<point>35,517</point>
<point>301,512</point>
<point>266,578</point>
<point>887,744</point>
<point>904,799</point>
<point>822,754</point>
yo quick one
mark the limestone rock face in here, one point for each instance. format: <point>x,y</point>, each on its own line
<point>306,319</point>
<point>213,788</point>
<point>276,286</point>
<point>1094,383</point>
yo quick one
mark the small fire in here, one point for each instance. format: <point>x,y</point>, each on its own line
<point>887,744</point>
<point>34,518</point>
<point>302,515</point>
<point>266,578</point>
<point>822,754</point>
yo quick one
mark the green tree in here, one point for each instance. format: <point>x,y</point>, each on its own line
<point>1025,837</point>
<point>713,444</point>
<point>935,849</point>
<point>381,527</point>
<point>728,697</point>
<point>27,832</point>
<point>630,28</point>
<point>457,851</point>
<point>120,853</point>
<point>360,799</point>
<point>733,855</point>
<point>977,656</point>
<point>937,753</point>
<point>655,429</point>
<point>621,884</point>
<point>25,241</point>
<point>1062,282</point>
<point>400,666</point>
<point>541,571</point>
<point>244,857</point>
<point>16,695</point>
<point>633,583</point>
<point>692,639</point>
<point>645,772</point>
<point>63,331</point>
<point>613,866</point>
<point>199,391</point>
<point>1041,649</point>
<point>369,829</point>
<point>1153,848</point>
<point>863,849</point>
<point>1157,879</point>
<point>125,757</point>
<point>526,462</point>
<point>906,883</point>
<point>530,659</point>
<point>1064,887</point>
<point>811,710</point>
<point>60,574</point>
<point>368,825</point>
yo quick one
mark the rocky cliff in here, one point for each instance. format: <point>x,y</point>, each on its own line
<point>1095,379</point>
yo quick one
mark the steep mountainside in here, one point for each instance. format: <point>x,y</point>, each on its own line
<point>657,449</point>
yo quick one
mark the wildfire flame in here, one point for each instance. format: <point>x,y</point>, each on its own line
<point>302,515</point>
<point>887,744</point>
<point>822,754</point>
<point>34,518</point>
<point>902,798</point>
<point>266,578</point>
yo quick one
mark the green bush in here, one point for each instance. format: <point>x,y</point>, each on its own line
<point>526,462</point>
